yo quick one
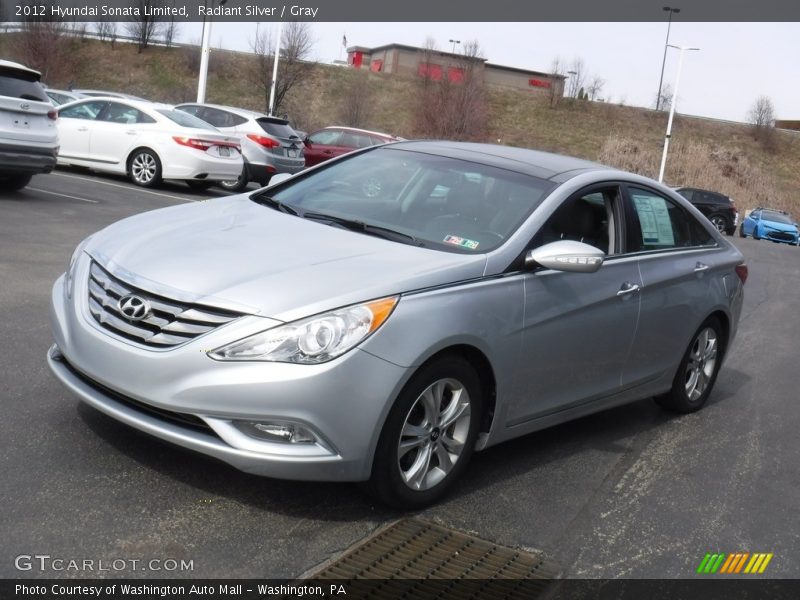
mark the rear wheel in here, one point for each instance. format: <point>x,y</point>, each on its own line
<point>238,184</point>
<point>15,182</point>
<point>720,222</point>
<point>698,370</point>
<point>144,168</point>
<point>429,435</point>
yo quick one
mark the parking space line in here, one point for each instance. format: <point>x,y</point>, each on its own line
<point>126,187</point>
<point>30,189</point>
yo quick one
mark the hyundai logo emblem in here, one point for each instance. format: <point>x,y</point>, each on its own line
<point>133,307</point>
<point>25,106</point>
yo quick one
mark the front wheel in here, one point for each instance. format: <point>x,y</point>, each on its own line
<point>144,168</point>
<point>429,435</point>
<point>698,370</point>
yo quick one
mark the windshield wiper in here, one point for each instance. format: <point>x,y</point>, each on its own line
<point>276,204</point>
<point>361,227</point>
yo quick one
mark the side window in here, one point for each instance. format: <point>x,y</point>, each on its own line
<point>124,114</point>
<point>349,139</point>
<point>362,141</point>
<point>217,118</point>
<point>236,120</point>
<point>326,137</point>
<point>87,111</point>
<point>586,217</point>
<point>659,224</point>
<point>686,194</point>
<point>192,110</point>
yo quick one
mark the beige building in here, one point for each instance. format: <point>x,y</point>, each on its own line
<point>398,59</point>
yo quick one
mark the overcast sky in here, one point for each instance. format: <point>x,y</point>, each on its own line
<point>736,63</point>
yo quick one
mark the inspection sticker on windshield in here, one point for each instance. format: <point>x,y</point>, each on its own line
<point>459,241</point>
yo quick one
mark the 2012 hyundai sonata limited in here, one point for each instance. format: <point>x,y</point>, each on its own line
<point>380,317</point>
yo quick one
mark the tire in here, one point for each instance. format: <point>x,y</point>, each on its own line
<point>755,234</point>
<point>14,182</point>
<point>698,370</point>
<point>424,448</point>
<point>720,222</point>
<point>741,231</point>
<point>144,168</point>
<point>198,185</point>
<point>236,185</point>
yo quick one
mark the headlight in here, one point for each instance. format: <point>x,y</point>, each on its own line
<point>69,278</point>
<point>313,340</point>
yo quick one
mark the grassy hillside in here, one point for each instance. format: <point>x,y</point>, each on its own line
<point>720,156</point>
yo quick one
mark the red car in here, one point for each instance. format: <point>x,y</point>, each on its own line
<point>331,142</point>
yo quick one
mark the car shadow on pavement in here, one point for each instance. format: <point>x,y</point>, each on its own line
<point>535,458</point>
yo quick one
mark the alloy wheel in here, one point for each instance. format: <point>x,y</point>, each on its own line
<point>701,363</point>
<point>719,223</point>
<point>144,168</point>
<point>434,434</point>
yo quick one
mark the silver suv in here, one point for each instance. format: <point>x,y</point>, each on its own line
<point>269,144</point>
<point>28,135</point>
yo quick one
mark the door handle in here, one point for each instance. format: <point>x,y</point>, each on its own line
<point>131,132</point>
<point>83,129</point>
<point>328,151</point>
<point>700,267</point>
<point>628,288</point>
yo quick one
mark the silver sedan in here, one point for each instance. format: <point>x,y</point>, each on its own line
<point>380,317</point>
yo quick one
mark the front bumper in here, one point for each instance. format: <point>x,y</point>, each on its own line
<point>783,237</point>
<point>344,401</point>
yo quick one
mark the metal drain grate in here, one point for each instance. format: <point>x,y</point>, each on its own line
<point>443,562</point>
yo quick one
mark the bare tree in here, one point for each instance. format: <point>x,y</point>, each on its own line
<point>294,65</point>
<point>762,117</point>
<point>664,101</point>
<point>452,99</point>
<point>170,31</point>
<point>595,87</point>
<point>577,77</point>
<point>556,90</point>
<point>356,106</point>
<point>144,28</point>
<point>106,30</point>
<point>45,47</point>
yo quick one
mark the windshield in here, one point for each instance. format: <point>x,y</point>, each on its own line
<point>185,119</point>
<point>775,217</point>
<point>438,202</point>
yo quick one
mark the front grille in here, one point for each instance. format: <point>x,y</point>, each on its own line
<point>781,236</point>
<point>169,323</point>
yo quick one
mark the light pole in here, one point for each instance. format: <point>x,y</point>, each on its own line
<point>672,110</point>
<point>275,70</point>
<point>204,50</point>
<point>671,11</point>
<point>454,42</point>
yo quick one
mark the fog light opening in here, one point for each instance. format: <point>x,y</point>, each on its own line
<point>286,433</point>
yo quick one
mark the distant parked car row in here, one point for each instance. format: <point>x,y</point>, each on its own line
<point>770,224</point>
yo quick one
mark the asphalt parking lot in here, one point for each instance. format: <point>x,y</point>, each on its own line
<point>632,492</point>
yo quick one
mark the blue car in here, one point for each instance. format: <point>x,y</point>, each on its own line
<point>770,224</point>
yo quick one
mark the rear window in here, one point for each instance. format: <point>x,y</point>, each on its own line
<point>17,84</point>
<point>184,119</point>
<point>277,129</point>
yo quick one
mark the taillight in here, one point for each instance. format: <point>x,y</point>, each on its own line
<point>53,114</point>
<point>264,141</point>
<point>203,145</point>
<point>741,271</point>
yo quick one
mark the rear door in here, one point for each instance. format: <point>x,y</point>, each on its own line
<point>75,123</point>
<point>677,264</point>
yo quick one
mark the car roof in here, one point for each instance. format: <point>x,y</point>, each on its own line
<point>7,64</point>
<point>536,163</point>
<point>242,112</point>
<point>357,130</point>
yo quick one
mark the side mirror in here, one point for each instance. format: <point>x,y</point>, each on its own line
<point>306,141</point>
<point>278,178</point>
<point>566,255</point>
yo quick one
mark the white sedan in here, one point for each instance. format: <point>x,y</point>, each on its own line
<point>147,142</point>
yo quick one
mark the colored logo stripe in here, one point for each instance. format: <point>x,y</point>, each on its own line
<point>737,562</point>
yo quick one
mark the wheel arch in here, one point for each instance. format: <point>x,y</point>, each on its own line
<point>129,158</point>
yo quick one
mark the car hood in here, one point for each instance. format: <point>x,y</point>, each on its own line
<point>779,226</point>
<point>233,253</point>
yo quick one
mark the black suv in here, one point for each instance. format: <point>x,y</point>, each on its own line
<point>718,208</point>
